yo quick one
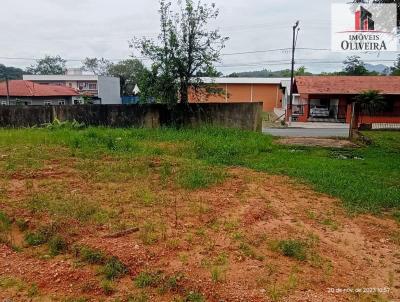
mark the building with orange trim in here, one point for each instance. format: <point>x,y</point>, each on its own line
<point>330,99</point>
<point>241,90</point>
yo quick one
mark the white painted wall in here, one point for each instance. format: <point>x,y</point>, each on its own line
<point>109,90</point>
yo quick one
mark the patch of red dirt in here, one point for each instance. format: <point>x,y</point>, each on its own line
<point>239,219</point>
<point>51,276</point>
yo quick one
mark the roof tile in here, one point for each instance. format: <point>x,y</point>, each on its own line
<point>20,88</point>
<point>347,84</point>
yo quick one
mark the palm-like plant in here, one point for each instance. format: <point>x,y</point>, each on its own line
<point>371,101</point>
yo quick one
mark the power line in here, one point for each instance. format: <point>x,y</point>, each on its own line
<point>145,58</point>
<point>298,62</point>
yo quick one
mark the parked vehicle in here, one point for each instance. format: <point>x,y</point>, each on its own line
<point>319,111</point>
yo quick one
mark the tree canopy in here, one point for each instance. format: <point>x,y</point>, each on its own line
<point>48,65</point>
<point>131,72</point>
<point>97,66</point>
<point>12,73</point>
<point>353,65</point>
<point>185,48</point>
<point>395,69</point>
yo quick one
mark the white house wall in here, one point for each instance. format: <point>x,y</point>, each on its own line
<point>109,90</point>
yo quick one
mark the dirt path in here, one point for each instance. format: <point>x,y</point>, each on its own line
<point>228,233</point>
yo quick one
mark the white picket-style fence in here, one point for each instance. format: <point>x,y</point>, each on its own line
<point>378,126</point>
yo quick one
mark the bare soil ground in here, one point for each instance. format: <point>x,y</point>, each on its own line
<point>222,241</point>
<point>317,142</point>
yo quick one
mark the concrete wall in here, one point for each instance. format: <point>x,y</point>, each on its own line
<point>37,101</point>
<point>109,90</point>
<point>244,116</point>
<point>269,94</point>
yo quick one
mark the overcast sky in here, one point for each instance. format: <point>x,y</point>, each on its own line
<point>76,29</point>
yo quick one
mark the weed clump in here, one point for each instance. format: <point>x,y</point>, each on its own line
<point>111,267</point>
<point>199,176</point>
<point>89,255</point>
<point>194,297</point>
<point>148,279</point>
<point>42,235</point>
<point>114,269</point>
<point>294,249</point>
<point>57,245</point>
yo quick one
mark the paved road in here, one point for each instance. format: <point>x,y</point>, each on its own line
<point>301,132</point>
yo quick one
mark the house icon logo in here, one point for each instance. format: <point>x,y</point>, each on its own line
<point>367,27</point>
<point>363,20</point>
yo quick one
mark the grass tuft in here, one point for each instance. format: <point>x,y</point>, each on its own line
<point>148,279</point>
<point>114,269</point>
<point>57,245</point>
<point>294,249</point>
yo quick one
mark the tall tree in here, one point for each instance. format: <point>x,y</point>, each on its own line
<point>395,70</point>
<point>12,73</point>
<point>185,48</point>
<point>353,65</point>
<point>48,65</point>
<point>131,72</point>
<point>97,66</point>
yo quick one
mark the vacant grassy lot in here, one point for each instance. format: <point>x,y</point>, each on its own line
<point>366,179</point>
<point>191,215</point>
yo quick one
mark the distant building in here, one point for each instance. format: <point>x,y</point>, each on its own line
<point>32,94</point>
<point>330,99</point>
<point>238,90</point>
<point>101,89</point>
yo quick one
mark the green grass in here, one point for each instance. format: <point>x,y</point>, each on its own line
<point>366,179</point>
<point>293,249</point>
<point>89,255</point>
<point>114,269</point>
<point>148,279</point>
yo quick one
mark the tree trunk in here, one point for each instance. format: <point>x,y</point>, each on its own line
<point>184,93</point>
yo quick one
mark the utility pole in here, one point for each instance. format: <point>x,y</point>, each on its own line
<point>8,92</point>
<point>290,105</point>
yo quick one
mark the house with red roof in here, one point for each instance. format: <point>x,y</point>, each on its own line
<point>331,98</point>
<point>19,92</point>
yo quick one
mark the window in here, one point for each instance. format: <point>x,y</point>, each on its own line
<point>61,103</point>
<point>92,86</point>
<point>48,103</point>
<point>3,103</point>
